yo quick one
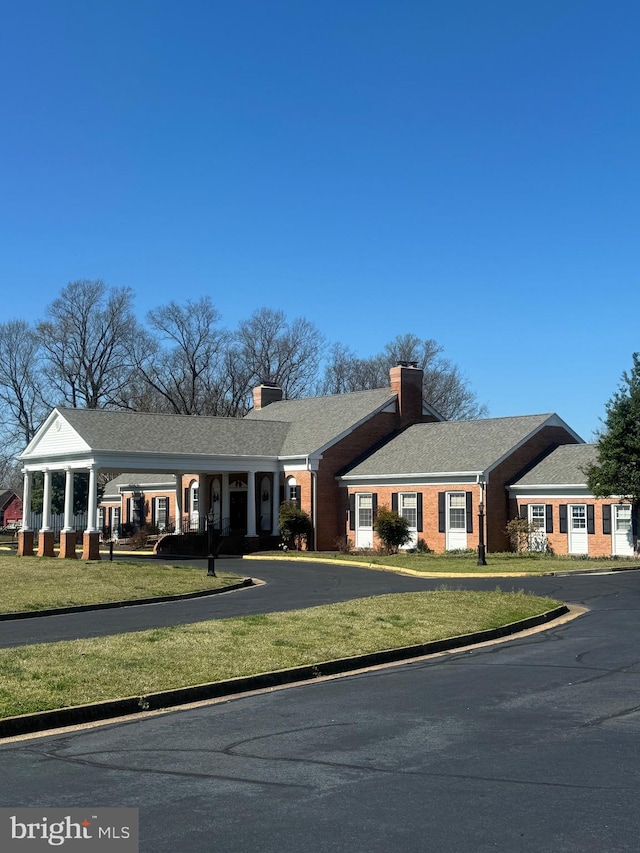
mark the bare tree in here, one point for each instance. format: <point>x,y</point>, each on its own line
<point>444,386</point>
<point>180,365</point>
<point>87,341</point>
<point>269,348</point>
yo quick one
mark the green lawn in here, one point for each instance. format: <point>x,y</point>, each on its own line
<point>56,675</point>
<point>35,583</point>
<point>466,563</point>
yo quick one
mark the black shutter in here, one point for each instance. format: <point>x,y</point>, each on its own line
<point>441,512</point>
<point>634,521</point>
<point>394,501</point>
<point>281,494</point>
<point>563,518</point>
<point>469,512</point>
<point>352,512</point>
<point>591,525</point>
<point>186,507</point>
<point>548,520</point>
<point>524,510</point>
<point>606,518</point>
<point>296,492</point>
<point>419,512</point>
<point>374,506</point>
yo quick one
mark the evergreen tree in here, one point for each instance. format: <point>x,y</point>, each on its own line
<point>617,471</point>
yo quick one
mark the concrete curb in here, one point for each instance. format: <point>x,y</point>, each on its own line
<point>81,714</point>
<point>431,575</point>
<point>134,602</point>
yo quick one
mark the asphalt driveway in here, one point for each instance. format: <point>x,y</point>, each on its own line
<point>529,745</point>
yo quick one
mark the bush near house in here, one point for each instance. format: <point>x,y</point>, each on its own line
<point>294,524</point>
<point>392,529</point>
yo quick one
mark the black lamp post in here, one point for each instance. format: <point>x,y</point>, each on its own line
<point>481,551</point>
<point>211,559</point>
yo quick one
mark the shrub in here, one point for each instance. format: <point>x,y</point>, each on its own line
<point>392,529</point>
<point>294,524</point>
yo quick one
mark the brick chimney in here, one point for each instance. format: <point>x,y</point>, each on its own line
<point>265,394</point>
<point>405,380</point>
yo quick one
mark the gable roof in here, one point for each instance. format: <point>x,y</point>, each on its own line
<point>453,447</point>
<point>564,466</point>
<point>314,423</point>
<point>146,432</point>
<point>6,496</point>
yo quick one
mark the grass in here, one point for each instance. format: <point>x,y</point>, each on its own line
<point>35,583</point>
<point>466,562</point>
<point>56,675</point>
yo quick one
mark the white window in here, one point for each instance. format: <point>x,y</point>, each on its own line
<point>408,508</point>
<point>365,510</point>
<point>578,517</point>
<point>162,512</point>
<point>623,518</point>
<point>537,516</point>
<point>457,511</point>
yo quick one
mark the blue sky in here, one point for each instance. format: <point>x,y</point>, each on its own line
<point>464,170</point>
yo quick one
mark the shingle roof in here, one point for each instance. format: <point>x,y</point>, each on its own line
<point>315,421</point>
<point>563,466</point>
<point>149,432</point>
<point>450,447</point>
<point>112,488</point>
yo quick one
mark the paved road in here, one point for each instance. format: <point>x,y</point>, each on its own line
<point>532,745</point>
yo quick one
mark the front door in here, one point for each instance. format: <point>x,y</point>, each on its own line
<point>622,531</point>
<point>238,512</point>
<point>456,521</point>
<point>578,536</point>
<point>537,522</point>
<point>364,520</point>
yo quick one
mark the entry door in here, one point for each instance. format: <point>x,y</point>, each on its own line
<point>238,512</point>
<point>537,520</point>
<point>408,508</point>
<point>364,520</point>
<point>622,531</point>
<point>456,533</point>
<point>578,536</point>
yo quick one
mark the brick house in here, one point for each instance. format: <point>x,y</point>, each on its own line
<point>338,457</point>
<point>553,496</point>
<point>437,474</point>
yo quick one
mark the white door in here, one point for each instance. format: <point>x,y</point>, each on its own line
<point>538,535</point>
<point>622,531</point>
<point>408,508</point>
<point>364,520</point>
<point>578,536</point>
<point>456,532</point>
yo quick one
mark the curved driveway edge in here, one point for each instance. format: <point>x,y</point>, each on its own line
<point>133,602</point>
<point>95,712</point>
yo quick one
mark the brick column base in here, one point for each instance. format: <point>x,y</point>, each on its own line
<point>67,545</point>
<point>91,546</point>
<point>25,543</point>
<point>45,543</point>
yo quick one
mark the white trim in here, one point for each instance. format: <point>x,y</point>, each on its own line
<point>437,479</point>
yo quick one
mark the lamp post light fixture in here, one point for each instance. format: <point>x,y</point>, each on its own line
<point>211,559</point>
<point>481,550</point>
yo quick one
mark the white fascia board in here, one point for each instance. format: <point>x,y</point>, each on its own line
<point>444,478</point>
<point>570,490</point>
<point>158,463</point>
<point>64,429</point>
<point>429,410</point>
<point>388,406</point>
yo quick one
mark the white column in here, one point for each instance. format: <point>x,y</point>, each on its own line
<point>26,501</point>
<point>251,503</point>
<point>92,508</point>
<point>178,522</point>
<point>275,505</point>
<point>46,502</point>
<point>68,501</point>
<point>225,498</point>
